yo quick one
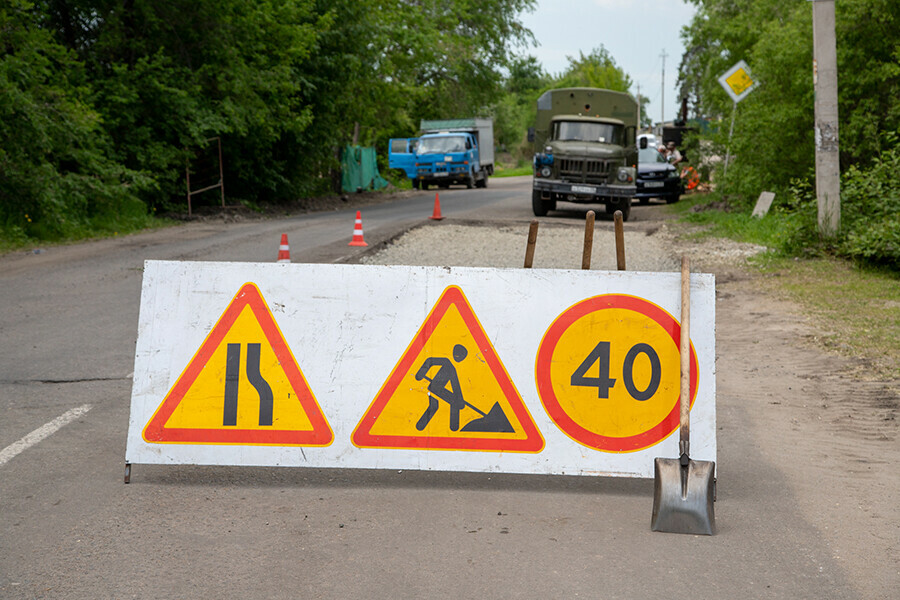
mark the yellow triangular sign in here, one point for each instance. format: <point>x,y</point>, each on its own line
<point>449,391</point>
<point>243,386</point>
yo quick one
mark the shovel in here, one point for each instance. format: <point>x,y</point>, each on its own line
<point>684,489</point>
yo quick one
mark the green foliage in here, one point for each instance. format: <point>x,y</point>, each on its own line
<point>57,175</point>
<point>773,144</point>
<point>597,70</point>
<point>103,102</point>
<point>515,112</point>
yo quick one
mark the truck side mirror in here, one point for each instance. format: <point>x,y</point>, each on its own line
<point>531,134</point>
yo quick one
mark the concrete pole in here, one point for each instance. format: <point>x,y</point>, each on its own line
<point>662,94</point>
<point>828,168</point>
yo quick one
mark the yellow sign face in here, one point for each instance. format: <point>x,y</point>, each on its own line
<point>739,81</point>
<point>243,386</point>
<point>449,391</point>
<point>608,373</point>
<point>474,385</point>
<point>245,350</point>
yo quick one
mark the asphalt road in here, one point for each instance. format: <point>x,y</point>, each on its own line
<point>70,528</point>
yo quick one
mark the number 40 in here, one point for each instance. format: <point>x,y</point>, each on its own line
<point>603,382</point>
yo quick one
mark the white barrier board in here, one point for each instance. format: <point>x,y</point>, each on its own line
<point>458,369</point>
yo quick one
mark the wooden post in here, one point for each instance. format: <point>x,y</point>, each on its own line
<point>532,240</point>
<point>588,240</point>
<point>620,241</point>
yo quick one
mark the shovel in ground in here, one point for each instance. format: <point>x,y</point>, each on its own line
<point>684,489</point>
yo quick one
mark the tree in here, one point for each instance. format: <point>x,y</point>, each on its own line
<point>773,139</point>
<point>597,70</point>
<point>57,169</point>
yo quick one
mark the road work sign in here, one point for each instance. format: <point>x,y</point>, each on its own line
<point>460,369</point>
<point>243,358</point>
<point>472,402</point>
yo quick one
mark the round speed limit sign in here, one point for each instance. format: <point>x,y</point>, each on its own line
<point>607,373</point>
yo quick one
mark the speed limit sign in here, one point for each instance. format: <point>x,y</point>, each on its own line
<point>607,373</point>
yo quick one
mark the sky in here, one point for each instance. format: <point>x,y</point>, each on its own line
<point>634,32</point>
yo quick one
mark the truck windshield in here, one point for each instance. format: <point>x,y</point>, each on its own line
<point>436,145</point>
<point>587,132</point>
<point>650,155</point>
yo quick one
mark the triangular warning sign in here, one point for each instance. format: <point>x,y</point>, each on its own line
<point>449,391</point>
<point>243,386</point>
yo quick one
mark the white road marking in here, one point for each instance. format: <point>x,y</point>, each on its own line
<point>41,433</point>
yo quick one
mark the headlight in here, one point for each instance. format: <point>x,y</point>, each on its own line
<point>545,172</point>
<point>543,159</point>
<point>623,175</point>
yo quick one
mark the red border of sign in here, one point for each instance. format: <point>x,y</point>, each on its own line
<point>453,295</point>
<point>583,436</point>
<point>319,435</point>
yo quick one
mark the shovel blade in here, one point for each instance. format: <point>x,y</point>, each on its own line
<point>683,497</point>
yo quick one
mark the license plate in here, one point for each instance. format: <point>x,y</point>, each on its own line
<point>583,189</point>
<point>440,174</point>
<point>654,184</point>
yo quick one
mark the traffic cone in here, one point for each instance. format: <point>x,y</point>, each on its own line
<point>284,251</point>
<point>358,232</point>
<point>437,208</point>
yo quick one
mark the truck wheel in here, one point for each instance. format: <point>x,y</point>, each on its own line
<point>672,199</point>
<point>482,183</point>
<point>424,185</point>
<point>539,206</point>
<point>470,181</point>
<point>623,204</point>
<point>415,183</point>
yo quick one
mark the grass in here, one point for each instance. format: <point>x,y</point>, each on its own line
<point>858,309</point>
<point>501,171</point>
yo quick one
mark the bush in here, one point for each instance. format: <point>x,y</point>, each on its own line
<point>870,214</point>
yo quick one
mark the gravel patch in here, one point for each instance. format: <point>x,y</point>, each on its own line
<point>452,245</point>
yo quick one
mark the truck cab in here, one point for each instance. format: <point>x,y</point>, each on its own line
<point>446,158</point>
<point>402,155</point>
<point>584,149</point>
<point>447,151</point>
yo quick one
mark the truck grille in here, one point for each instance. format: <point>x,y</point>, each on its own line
<point>585,171</point>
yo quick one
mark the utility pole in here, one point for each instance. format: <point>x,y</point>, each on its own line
<point>825,83</point>
<point>662,116</point>
<point>639,107</point>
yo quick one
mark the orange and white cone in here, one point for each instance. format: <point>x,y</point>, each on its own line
<point>436,215</point>
<point>284,251</point>
<point>358,232</point>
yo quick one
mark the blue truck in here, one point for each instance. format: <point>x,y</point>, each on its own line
<point>451,151</point>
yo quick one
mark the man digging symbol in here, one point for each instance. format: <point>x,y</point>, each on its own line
<point>444,385</point>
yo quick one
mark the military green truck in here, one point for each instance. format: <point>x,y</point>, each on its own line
<point>584,149</point>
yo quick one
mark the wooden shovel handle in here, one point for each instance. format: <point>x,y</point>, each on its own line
<point>685,350</point>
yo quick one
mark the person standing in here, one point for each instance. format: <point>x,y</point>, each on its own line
<point>673,156</point>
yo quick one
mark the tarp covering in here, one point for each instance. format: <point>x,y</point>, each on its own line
<point>359,170</point>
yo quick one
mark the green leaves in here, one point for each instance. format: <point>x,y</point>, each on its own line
<point>773,140</point>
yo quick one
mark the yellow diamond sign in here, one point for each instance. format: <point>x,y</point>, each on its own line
<point>737,81</point>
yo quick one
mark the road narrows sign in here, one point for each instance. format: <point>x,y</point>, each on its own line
<point>449,391</point>
<point>243,386</point>
<point>607,372</point>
